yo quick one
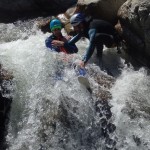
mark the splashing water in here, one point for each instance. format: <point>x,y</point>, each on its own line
<point>131,108</point>
<point>52,111</point>
<point>39,93</point>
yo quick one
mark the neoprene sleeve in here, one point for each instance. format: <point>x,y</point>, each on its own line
<point>91,47</point>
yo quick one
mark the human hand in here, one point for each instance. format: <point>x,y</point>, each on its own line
<point>82,64</point>
<point>57,43</point>
<point>68,37</point>
<point>119,28</point>
<point>79,63</point>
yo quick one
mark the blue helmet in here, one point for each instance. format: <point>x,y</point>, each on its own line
<point>55,24</point>
<point>76,19</point>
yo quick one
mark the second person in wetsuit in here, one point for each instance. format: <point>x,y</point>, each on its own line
<point>99,33</point>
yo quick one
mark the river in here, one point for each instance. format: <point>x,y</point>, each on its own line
<point>52,111</point>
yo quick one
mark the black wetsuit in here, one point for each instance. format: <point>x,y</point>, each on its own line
<point>99,33</point>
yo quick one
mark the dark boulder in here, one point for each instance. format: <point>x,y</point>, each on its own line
<point>101,9</point>
<point>5,104</point>
<point>134,18</point>
<point>11,11</point>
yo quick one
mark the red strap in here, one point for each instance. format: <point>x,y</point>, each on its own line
<point>62,49</point>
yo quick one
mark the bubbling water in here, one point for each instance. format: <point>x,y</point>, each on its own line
<point>52,111</point>
<point>131,108</point>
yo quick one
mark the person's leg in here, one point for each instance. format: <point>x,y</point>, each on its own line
<point>106,39</point>
<point>99,48</point>
<point>100,40</point>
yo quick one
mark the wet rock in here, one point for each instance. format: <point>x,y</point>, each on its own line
<point>103,123</point>
<point>137,140</point>
<point>110,143</point>
<point>108,114</point>
<point>104,133</point>
<point>102,9</point>
<point>67,113</point>
<point>43,24</point>
<point>111,128</point>
<point>14,10</point>
<point>135,22</point>
<point>5,104</point>
<point>86,126</point>
<point>65,19</point>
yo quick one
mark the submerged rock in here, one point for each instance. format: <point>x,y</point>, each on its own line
<point>5,104</point>
<point>88,127</point>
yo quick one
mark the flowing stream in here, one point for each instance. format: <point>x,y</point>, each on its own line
<point>52,111</point>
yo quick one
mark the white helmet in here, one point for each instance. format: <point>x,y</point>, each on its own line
<point>76,19</point>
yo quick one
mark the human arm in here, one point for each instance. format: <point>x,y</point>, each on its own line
<point>49,44</point>
<point>70,47</point>
<point>70,44</point>
<point>74,39</point>
<point>90,48</point>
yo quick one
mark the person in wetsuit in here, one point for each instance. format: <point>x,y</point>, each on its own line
<point>57,42</point>
<point>99,33</point>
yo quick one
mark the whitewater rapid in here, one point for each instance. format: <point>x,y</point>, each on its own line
<point>38,96</point>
